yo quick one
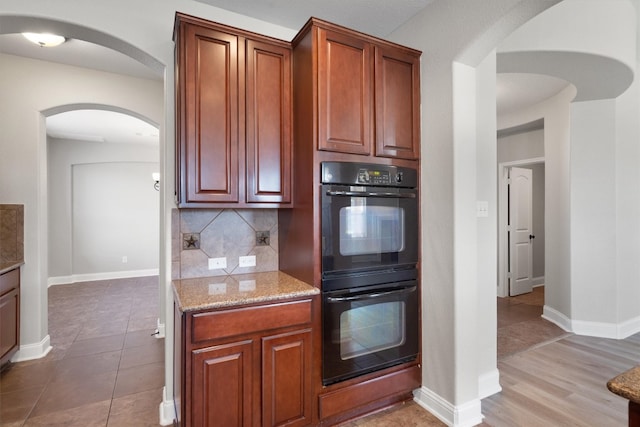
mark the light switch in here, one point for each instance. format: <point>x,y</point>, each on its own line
<point>482,209</point>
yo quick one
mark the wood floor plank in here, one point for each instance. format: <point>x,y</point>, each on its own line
<point>563,383</point>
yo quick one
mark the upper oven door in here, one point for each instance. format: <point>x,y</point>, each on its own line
<point>365,228</point>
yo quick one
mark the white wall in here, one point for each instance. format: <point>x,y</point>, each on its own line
<point>521,146</point>
<point>593,211</point>
<point>590,43</point>
<point>135,221</point>
<point>115,218</point>
<point>487,228</point>
<point>628,204</point>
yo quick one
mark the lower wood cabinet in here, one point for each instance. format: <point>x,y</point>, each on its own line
<point>258,373</point>
<point>222,379</point>
<point>9,314</point>
<point>286,379</point>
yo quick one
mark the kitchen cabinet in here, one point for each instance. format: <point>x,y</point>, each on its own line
<point>233,117</point>
<point>246,366</point>
<point>368,90</point>
<point>9,314</point>
<point>345,92</point>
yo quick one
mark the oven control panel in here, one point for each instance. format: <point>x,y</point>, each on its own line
<point>368,174</point>
<point>374,177</point>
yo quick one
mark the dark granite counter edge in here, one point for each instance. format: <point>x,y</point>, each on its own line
<point>8,266</point>
<point>627,385</point>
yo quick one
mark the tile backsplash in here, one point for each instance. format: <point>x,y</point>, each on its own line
<point>200,234</point>
<point>11,233</point>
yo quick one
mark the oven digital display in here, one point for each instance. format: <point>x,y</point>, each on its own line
<point>374,177</point>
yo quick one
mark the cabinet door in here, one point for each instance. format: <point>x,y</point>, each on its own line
<point>209,121</point>
<point>268,123</point>
<point>221,385</point>
<point>345,93</point>
<point>286,379</point>
<point>397,104</point>
<point>9,324</point>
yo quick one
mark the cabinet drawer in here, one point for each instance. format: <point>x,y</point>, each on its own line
<point>9,281</point>
<point>227,323</point>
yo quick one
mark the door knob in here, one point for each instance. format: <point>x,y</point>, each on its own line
<point>531,236</point>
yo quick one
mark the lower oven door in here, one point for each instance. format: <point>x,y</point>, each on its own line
<point>368,329</point>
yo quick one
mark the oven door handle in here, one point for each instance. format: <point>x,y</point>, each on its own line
<point>371,194</point>
<point>363,297</point>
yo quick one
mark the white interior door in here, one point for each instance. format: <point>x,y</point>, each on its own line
<point>520,231</point>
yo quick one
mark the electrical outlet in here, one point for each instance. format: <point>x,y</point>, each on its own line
<point>125,259</point>
<point>247,261</point>
<point>217,263</point>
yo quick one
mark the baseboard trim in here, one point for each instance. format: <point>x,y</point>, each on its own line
<point>33,351</point>
<point>628,328</point>
<point>593,329</point>
<point>467,415</point>
<point>537,281</point>
<point>65,280</point>
<point>554,316</point>
<point>489,384</point>
<point>607,330</point>
<point>167,409</point>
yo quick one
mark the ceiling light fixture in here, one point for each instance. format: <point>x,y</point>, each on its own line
<point>44,39</point>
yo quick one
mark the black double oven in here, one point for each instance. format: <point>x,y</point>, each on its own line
<point>370,295</point>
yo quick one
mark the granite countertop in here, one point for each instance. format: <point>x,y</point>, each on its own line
<point>10,265</point>
<point>627,385</point>
<point>229,291</point>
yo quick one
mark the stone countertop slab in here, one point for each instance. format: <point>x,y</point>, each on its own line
<point>627,385</point>
<point>229,291</point>
<point>8,266</point>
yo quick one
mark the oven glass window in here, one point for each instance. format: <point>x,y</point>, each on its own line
<point>370,229</point>
<point>371,328</point>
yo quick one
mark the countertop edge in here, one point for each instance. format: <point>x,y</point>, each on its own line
<point>627,385</point>
<point>5,267</point>
<point>244,302</point>
<point>194,295</point>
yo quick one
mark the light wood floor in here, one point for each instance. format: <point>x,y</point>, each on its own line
<point>563,383</point>
<point>549,378</point>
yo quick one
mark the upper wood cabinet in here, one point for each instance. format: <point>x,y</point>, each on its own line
<point>233,108</point>
<point>268,121</point>
<point>397,103</point>
<point>345,93</point>
<point>368,91</point>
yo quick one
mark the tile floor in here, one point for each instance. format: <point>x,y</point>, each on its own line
<point>106,368</point>
<point>520,325</point>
